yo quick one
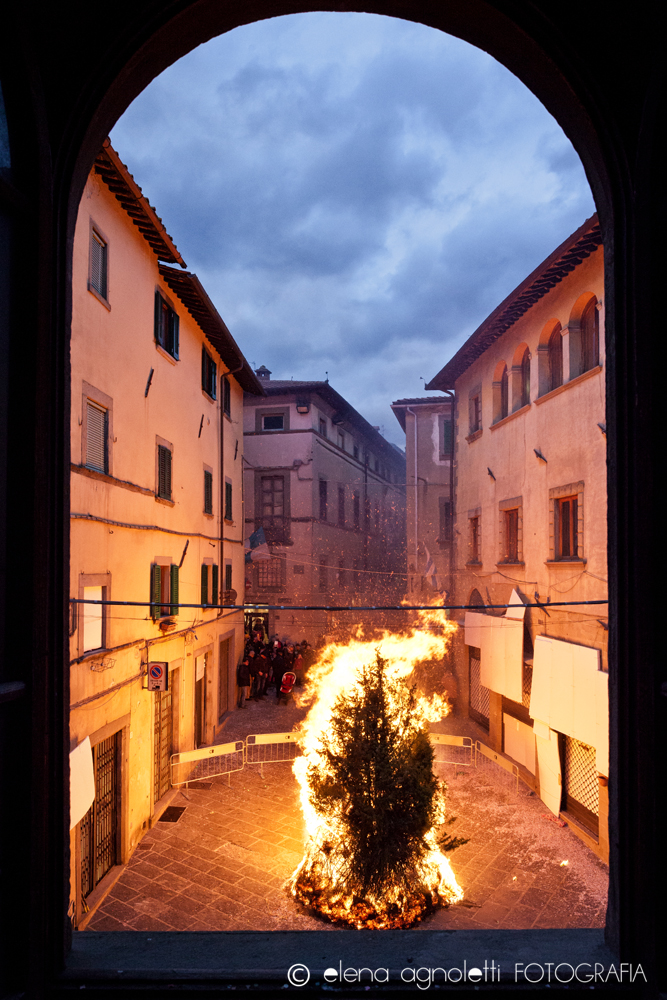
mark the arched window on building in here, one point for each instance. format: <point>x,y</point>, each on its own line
<point>555,355</point>
<point>500,392</point>
<point>525,378</point>
<point>520,377</point>
<point>590,347</point>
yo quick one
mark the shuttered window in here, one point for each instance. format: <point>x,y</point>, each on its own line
<point>164,587</point>
<point>166,326</point>
<point>208,492</point>
<point>209,373</point>
<point>228,501</point>
<point>226,397</point>
<point>98,264</point>
<point>96,437</point>
<point>164,473</point>
<point>209,584</point>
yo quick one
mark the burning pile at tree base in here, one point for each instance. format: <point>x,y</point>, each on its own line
<point>375,806</point>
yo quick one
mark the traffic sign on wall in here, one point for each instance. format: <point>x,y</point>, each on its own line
<point>158,676</point>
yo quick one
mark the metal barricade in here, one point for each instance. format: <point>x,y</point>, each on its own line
<point>486,757</point>
<point>271,748</point>
<point>456,750</point>
<point>207,762</point>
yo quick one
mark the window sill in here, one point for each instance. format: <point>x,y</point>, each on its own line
<point>165,354</point>
<point>208,514</point>
<point>565,562</point>
<point>474,563</point>
<point>510,416</point>
<point>474,436</point>
<point>99,297</point>
<point>208,397</point>
<point>507,562</point>
<point>566,385</point>
<point>167,503</point>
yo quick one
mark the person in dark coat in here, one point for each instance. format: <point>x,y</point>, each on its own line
<point>243,681</point>
<point>277,664</point>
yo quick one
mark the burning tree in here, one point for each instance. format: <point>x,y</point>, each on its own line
<point>375,861</point>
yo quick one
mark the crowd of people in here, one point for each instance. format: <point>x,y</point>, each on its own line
<point>272,665</point>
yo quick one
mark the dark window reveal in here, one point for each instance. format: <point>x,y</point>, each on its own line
<point>273,422</point>
<point>512,535</point>
<point>226,397</point>
<point>228,501</point>
<point>209,373</point>
<point>166,326</point>
<point>567,540</point>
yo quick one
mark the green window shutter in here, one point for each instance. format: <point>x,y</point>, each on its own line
<point>228,501</point>
<point>173,317</point>
<point>204,584</point>
<point>203,369</point>
<point>174,590</point>
<point>214,585</point>
<point>156,591</point>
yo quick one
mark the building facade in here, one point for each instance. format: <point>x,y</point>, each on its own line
<point>531,527</point>
<point>428,427</point>
<point>329,492</point>
<point>156,518</point>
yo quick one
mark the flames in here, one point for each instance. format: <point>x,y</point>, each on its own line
<point>419,878</point>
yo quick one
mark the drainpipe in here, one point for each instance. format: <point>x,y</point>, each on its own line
<point>414,416</point>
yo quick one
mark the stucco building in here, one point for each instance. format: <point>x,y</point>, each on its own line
<point>329,492</point>
<point>156,518</point>
<point>427,422</point>
<point>531,526</point>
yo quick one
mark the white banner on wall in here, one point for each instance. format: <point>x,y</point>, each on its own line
<point>81,782</point>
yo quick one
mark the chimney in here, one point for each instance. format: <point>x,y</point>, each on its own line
<point>263,373</point>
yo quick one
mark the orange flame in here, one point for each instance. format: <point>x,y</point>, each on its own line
<point>336,672</point>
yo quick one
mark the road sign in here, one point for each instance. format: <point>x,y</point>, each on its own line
<point>158,676</point>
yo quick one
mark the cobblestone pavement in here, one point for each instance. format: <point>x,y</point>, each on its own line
<point>222,866</point>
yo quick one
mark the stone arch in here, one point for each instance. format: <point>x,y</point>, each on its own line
<point>550,357</point>
<point>500,387</point>
<point>520,377</point>
<point>584,335</point>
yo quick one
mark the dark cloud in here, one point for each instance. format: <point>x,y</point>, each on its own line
<point>356,192</point>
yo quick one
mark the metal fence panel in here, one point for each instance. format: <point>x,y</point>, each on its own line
<point>457,750</point>
<point>271,748</point>
<point>207,762</point>
<point>486,757</point>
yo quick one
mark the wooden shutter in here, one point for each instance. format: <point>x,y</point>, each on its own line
<point>174,590</point>
<point>98,264</point>
<point>228,501</point>
<point>157,320</point>
<point>96,437</point>
<point>173,331</point>
<point>164,473</point>
<point>156,591</point>
<point>228,576</point>
<point>227,396</point>
<point>208,492</point>
<point>204,584</point>
<point>214,584</point>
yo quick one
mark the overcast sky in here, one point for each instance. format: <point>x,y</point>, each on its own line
<point>355,192</point>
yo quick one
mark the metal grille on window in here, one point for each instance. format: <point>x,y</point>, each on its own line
<point>162,744</point>
<point>98,264</point>
<point>96,437</point>
<point>580,777</point>
<point>99,825</point>
<point>479,695</point>
<point>527,684</point>
<point>270,573</point>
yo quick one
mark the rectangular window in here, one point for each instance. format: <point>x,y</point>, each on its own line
<point>166,326</point>
<point>270,574</point>
<point>475,411</point>
<point>355,451</point>
<point>323,499</point>
<point>209,584</point>
<point>272,508</point>
<point>209,373</point>
<point>208,492</point>
<point>323,427</point>
<point>98,281</point>
<point>512,535</point>
<point>273,422</point>
<point>324,574</point>
<point>228,576</point>
<point>341,440</point>
<point>474,540</point>
<point>566,517</point>
<point>446,521</point>
<point>228,501</point>
<point>93,619</point>
<point>341,506</point>
<point>164,591</point>
<point>355,510</point>
<point>446,437</point>
<point>164,472</point>
<point>97,436</point>
<point>227,397</point>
